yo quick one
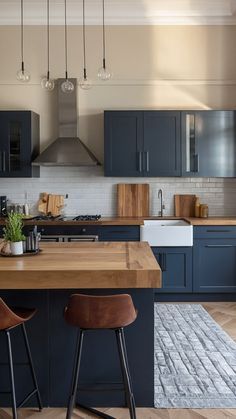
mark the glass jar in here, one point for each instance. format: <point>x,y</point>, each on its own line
<point>204,211</point>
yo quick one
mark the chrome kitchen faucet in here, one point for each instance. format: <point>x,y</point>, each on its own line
<point>160,196</point>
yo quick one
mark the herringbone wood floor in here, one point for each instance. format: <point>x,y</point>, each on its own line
<point>225,315</point>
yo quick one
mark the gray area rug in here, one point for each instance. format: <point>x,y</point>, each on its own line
<point>195,360</point>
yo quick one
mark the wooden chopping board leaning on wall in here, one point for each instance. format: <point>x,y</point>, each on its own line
<point>50,204</point>
<point>133,200</point>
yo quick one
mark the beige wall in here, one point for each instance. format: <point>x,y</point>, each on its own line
<point>154,67</point>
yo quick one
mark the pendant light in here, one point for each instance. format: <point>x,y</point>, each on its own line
<point>84,82</point>
<point>22,75</point>
<point>103,72</point>
<point>67,86</point>
<point>47,83</point>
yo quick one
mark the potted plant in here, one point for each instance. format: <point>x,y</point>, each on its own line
<point>13,233</point>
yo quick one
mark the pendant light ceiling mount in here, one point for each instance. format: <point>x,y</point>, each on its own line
<point>22,74</point>
<point>67,86</point>
<point>47,83</point>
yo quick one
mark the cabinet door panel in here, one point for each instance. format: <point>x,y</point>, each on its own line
<point>214,265</point>
<point>123,143</point>
<point>19,143</point>
<point>208,143</point>
<point>4,147</point>
<point>161,155</point>
<point>176,266</point>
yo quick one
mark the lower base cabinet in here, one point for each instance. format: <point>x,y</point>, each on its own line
<point>214,265</point>
<point>176,266</point>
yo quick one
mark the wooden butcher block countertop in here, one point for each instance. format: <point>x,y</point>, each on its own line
<point>213,221</point>
<point>83,265</point>
<point>116,221</point>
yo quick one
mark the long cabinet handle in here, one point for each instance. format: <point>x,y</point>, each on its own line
<point>3,161</point>
<point>219,245</point>
<point>162,261</point>
<point>140,166</point>
<point>165,267</point>
<point>196,163</point>
<point>147,160</point>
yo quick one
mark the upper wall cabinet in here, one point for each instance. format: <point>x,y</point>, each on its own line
<point>19,143</point>
<point>142,143</point>
<point>209,143</point>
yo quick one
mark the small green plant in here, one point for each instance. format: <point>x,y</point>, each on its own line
<point>13,230</point>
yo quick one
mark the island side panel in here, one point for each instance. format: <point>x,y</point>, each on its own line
<point>53,347</point>
<point>100,360</point>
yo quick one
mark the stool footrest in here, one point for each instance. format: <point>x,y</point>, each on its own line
<point>102,387</point>
<point>94,411</point>
<point>27,398</point>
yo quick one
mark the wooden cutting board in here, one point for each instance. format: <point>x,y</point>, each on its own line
<point>132,200</point>
<point>185,205</point>
<point>50,204</point>
<point>55,204</point>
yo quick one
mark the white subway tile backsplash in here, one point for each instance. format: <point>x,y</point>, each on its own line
<point>90,192</point>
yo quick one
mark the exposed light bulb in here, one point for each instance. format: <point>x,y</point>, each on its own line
<point>47,84</point>
<point>67,86</point>
<point>85,83</point>
<point>104,74</point>
<point>23,76</point>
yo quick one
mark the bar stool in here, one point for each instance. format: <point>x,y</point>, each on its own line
<point>89,312</point>
<point>9,319</point>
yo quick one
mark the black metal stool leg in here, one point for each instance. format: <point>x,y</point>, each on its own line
<point>127,366</point>
<point>13,393</point>
<point>75,375</point>
<point>126,374</point>
<point>32,366</point>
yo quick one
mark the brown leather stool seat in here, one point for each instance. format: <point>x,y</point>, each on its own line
<point>9,319</point>
<point>89,312</point>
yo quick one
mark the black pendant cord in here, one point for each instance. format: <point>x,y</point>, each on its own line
<point>22,35</point>
<point>66,59</point>
<point>103,35</point>
<point>84,42</point>
<point>48,41</point>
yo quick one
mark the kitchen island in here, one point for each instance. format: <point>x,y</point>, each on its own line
<point>46,280</point>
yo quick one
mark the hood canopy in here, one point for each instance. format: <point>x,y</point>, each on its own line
<point>67,149</point>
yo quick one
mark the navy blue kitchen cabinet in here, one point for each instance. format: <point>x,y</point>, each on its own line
<point>214,259</point>
<point>19,143</point>
<point>104,233</point>
<point>119,233</point>
<point>123,132</point>
<point>142,143</point>
<point>208,143</point>
<point>176,266</point>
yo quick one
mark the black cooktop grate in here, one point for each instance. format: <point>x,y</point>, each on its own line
<point>87,217</point>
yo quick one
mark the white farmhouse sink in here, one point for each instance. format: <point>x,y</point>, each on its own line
<point>167,233</point>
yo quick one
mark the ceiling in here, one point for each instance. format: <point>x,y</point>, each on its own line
<point>124,12</point>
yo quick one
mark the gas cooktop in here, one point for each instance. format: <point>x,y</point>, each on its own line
<point>84,217</point>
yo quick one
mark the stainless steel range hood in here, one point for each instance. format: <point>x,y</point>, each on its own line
<point>67,149</point>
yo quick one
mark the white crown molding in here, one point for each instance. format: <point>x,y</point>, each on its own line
<point>123,12</point>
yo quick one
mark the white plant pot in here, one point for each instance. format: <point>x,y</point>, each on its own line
<point>16,248</point>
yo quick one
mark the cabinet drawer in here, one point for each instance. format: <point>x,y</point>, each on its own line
<point>212,232</point>
<point>119,233</point>
<point>65,230</point>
